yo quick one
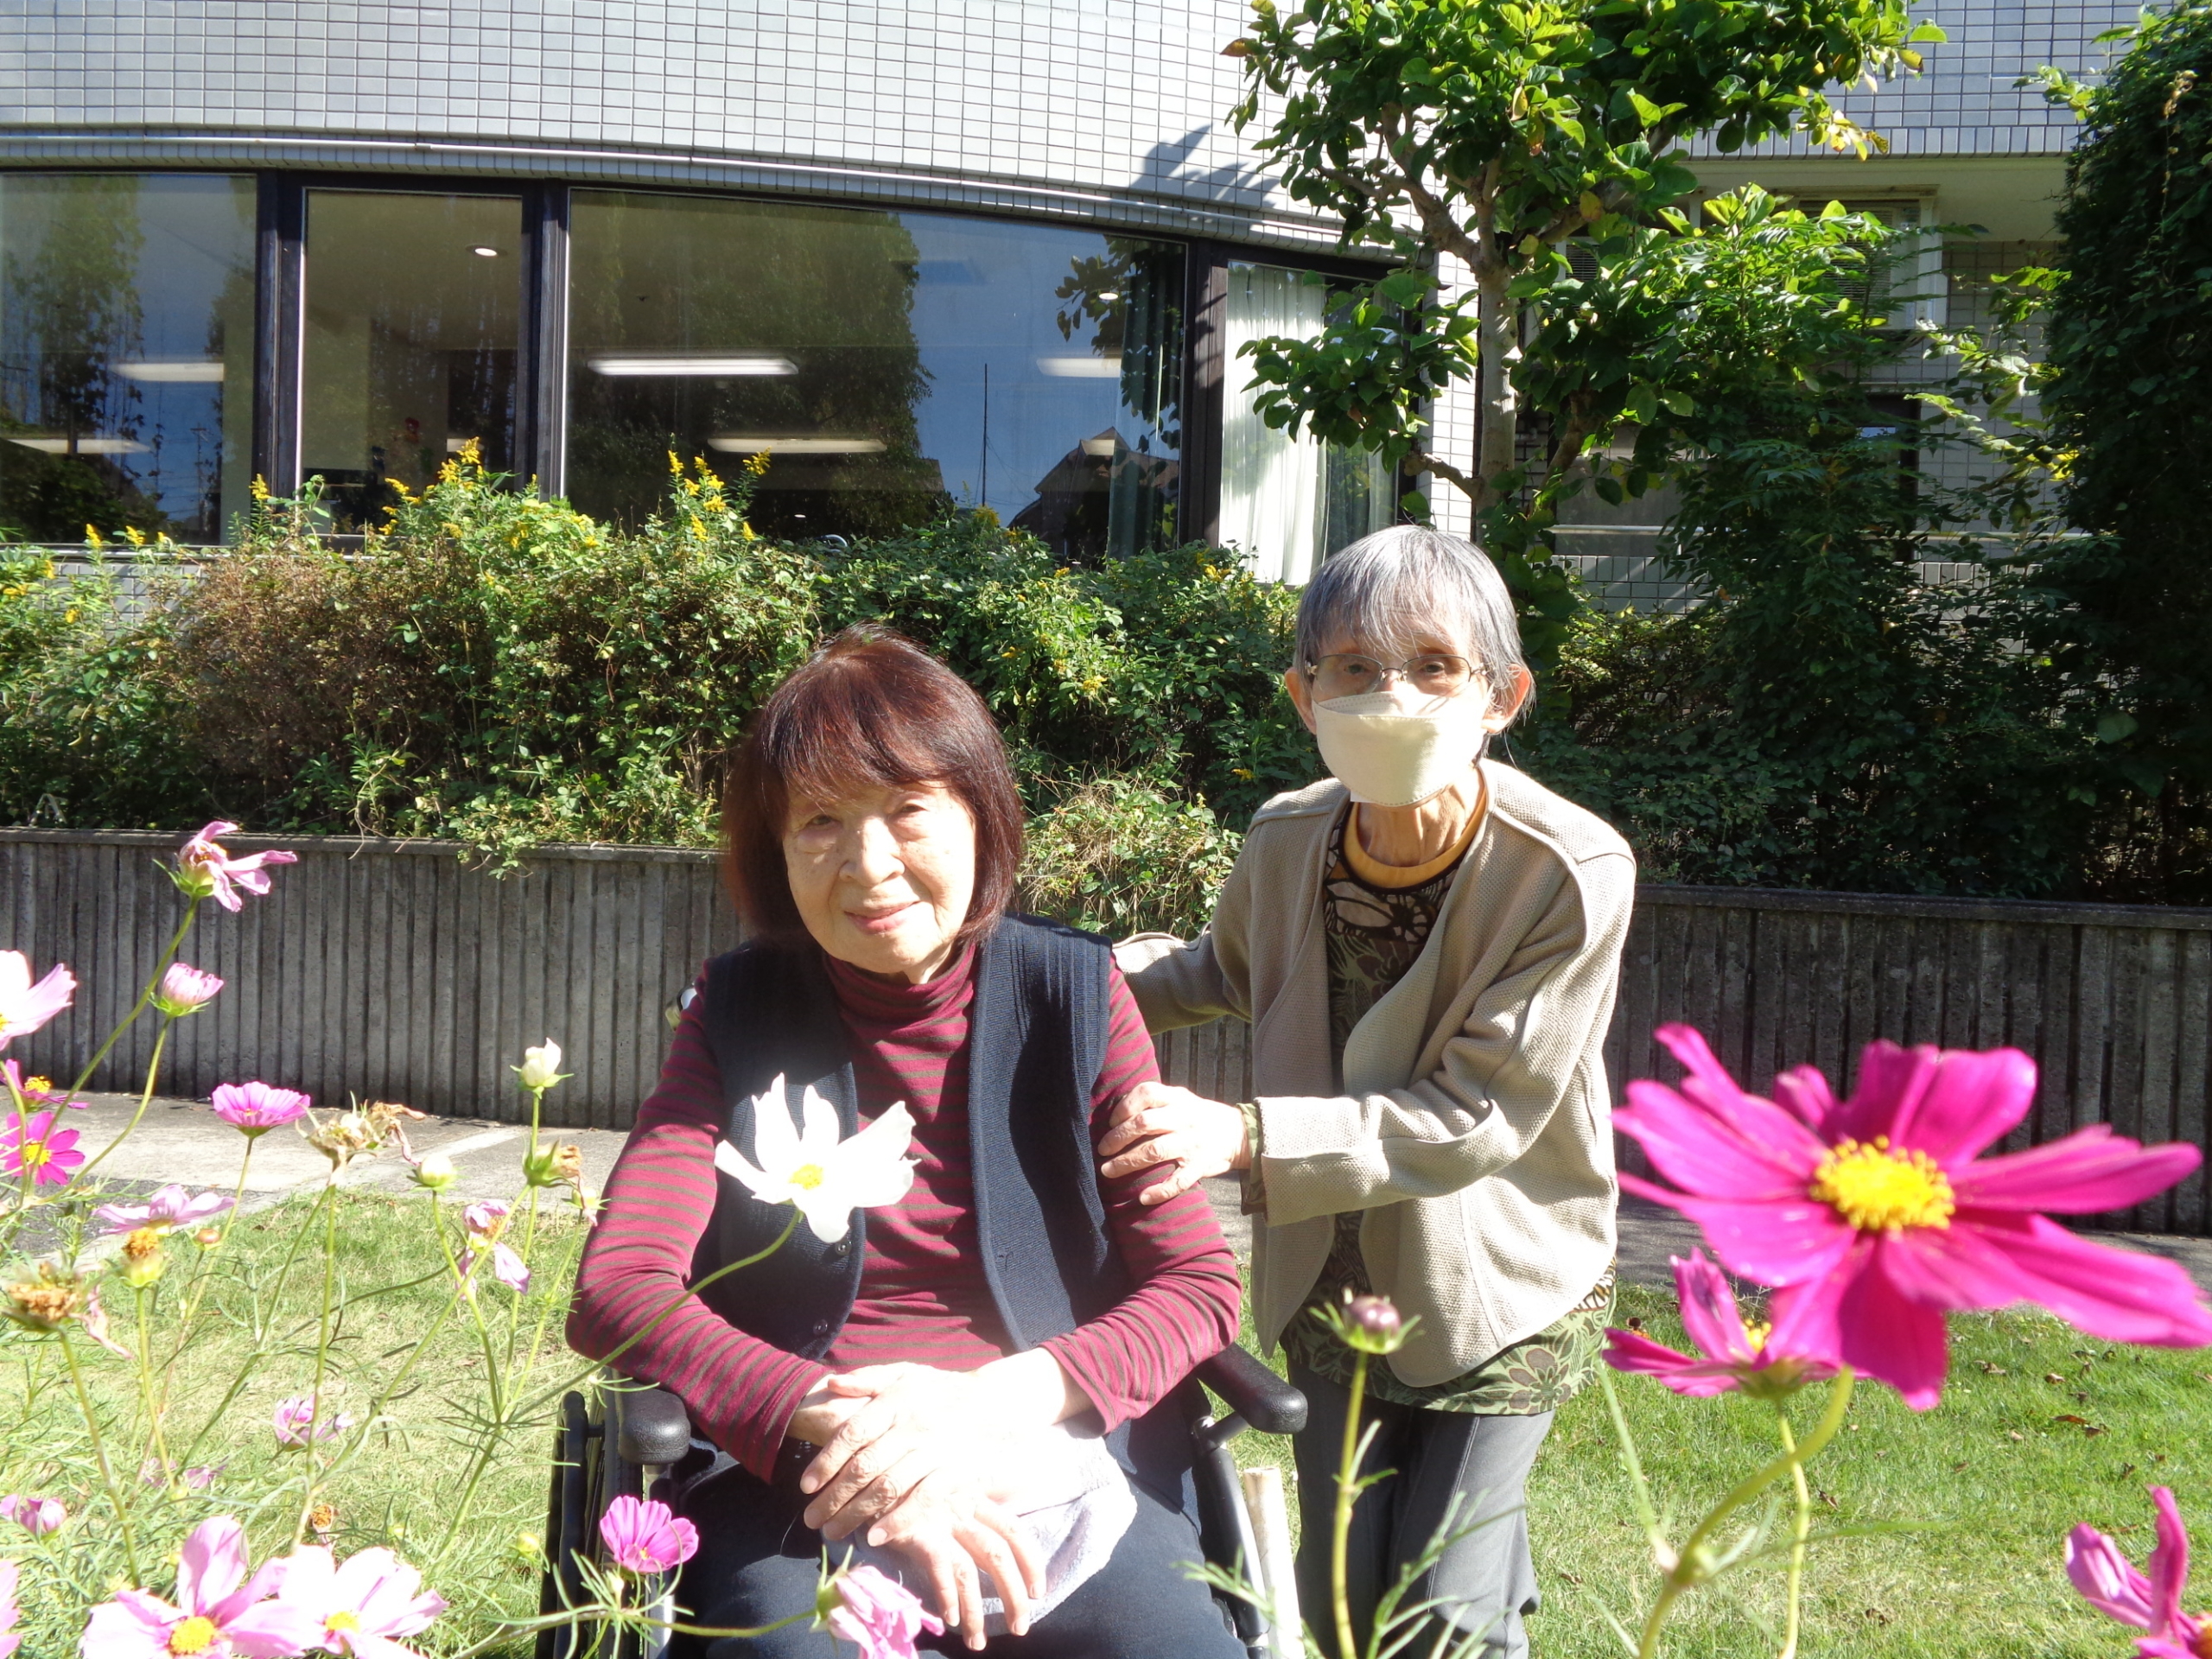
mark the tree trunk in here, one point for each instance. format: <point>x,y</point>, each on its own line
<point>1496,412</point>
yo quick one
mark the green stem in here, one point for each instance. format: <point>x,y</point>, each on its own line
<point>145,1099</point>
<point>100,1456</point>
<point>147,1392</point>
<point>321,1352</point>
<point>1347,1492</point>
<point>1689,1568</point>
<point>1801,1531</point>
<point>145,996</point>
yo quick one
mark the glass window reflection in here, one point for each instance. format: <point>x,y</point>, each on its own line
<point>414,313</point>
<point>126,354</point>
<point>888,366</point>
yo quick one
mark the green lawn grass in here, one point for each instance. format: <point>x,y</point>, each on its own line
<point>416,1485</point>
<point>1989,1484</point>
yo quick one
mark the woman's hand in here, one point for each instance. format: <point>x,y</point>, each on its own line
<point>952,1533</point>
<point>1186,1136</point>
<point>897,1425</point>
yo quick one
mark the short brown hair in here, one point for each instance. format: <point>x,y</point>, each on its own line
<point>869,706</point>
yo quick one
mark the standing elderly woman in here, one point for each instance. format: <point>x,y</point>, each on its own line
<point>1425,944</point>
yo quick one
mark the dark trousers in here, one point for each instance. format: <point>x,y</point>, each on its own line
<point>1486,1578</point>
<point>758,1561</point>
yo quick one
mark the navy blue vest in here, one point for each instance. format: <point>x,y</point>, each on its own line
<point>1038,1029</point>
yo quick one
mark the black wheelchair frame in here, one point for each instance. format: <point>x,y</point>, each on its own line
<point>626,1443</point>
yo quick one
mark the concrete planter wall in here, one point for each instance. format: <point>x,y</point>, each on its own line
<point>390,970</point>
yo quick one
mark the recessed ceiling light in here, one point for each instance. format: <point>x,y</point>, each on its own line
<point>1110,298</point>
<point>748,443</point>
<point>486,254</point>
<point>186,370</point>
<point>1081,368</point>
<point>743,363</point>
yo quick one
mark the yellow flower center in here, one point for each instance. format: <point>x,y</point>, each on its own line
<point>1878,1191</point>
<point>809,1176</point>
<point>342,1620</point>
<point>36,1154</point>
<point>142,1242</point>
<point>1755,1335</point>
<point>38,1085</point>
<point>194,1635</point>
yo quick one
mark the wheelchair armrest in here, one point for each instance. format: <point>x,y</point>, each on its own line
<point>652,1427</point>
<point>1253,1392</point>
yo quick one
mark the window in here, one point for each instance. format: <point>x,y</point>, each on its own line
<point>126,354</point>
<point>886,365</point>
<point>414,306</point>
<point>1287,503</point>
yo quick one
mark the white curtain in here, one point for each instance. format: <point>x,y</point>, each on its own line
<point>1271,483</point>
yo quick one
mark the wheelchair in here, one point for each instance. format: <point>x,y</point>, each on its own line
<point>628,1443</point>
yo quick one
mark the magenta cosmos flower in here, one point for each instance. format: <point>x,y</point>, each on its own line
<point>168,1209</point>
<point>2109,1582</point>
<point>37,1515</point>
<point>255,1108</point>
<point>24,1006</point>
<point>363,1607</point>
<point>219,1612</point>
<point>1874,1215</point>
<point>37,1091</point>
<point>8,1640</point>
<point>294,1424</point>
<point>1736,1355</point>
<point>185,990</point>
<point>646,1535</point>
<point>205,871</point>
<point>35,1149</point>
<point>876,1612</point>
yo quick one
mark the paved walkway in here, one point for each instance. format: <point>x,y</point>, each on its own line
<point>184,1141</point>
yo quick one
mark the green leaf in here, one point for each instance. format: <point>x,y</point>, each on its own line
<point>2116,728</point>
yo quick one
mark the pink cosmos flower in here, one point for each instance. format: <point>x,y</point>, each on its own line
<point>8,1640</point>
<point>2109,1583</point>
<point>37,1515</point>
<point>1736,1355</point>
<point>646,1535</point>
<point>361,1607</point>
<point>171,1207</point>
<point>25,1006</point>
<point>47,1155</point>
<point>185,990</point>
<point>205,871</point>
<point>37,1091</point>
<point>876,1612</point>
<point>294,1422</point>
<point>218,1613</point>
<point>486,1220</point>
<point>1874,1215</point>
<point>255,1109</point>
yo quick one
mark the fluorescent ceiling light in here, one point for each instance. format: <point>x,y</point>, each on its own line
<point>83,446</point>
<point>486,254</point>
<point>746,443</point>
<point>455,446</point>
<point>1100,446</point>
<point>676,363</point>
<point>195,370</point>
<point>1082,368</point>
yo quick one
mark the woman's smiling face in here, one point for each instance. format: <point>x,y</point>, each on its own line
<point>882,877</point>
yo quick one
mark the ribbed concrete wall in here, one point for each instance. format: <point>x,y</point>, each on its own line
<point>389,970</point>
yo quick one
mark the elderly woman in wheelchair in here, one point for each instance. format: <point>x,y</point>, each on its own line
<point>984,1387</point>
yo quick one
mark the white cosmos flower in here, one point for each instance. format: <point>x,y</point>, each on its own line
<point>541,1066</point>
<point>809,1166</point>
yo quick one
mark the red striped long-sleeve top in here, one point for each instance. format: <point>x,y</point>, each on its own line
<point>923,1296</point>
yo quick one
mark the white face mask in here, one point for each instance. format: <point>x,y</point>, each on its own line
<point>1396,747</point>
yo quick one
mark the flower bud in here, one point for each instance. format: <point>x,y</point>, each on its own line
<point>142,1259</point>
<point>185,989</point>
<point>541,1067</point>
<point>436,1172</point>
<point>1371,1325</point>
<point>1376,1315</point>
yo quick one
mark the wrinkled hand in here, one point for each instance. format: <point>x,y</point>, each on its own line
<point>895,1425</point>
<point>952,1533</point>
<point>1184,1136</point>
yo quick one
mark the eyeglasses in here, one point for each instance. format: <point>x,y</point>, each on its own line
<point>1348,673</point>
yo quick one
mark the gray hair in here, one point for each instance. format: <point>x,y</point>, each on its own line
<point>1385,591</point>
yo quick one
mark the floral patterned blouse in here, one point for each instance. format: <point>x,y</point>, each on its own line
<point>1378,922</point>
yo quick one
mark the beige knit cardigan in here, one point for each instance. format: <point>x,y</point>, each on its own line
<point>1474,1128</point>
